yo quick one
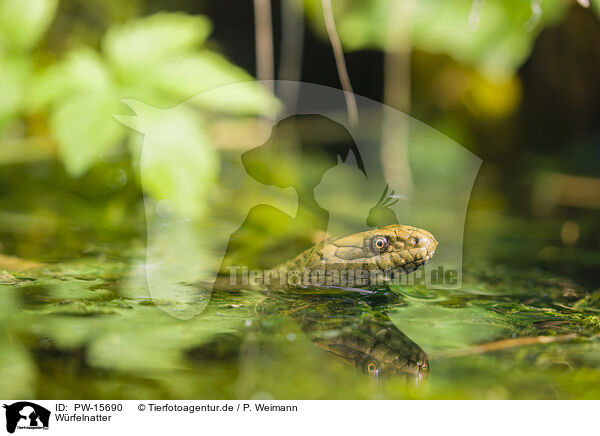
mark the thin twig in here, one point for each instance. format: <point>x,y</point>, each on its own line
<point>574,309</point>
<point>397,94</point>
<point>292,41</point>
<point>475,14</point>
<point>336,45</point>
<point>536,14</point>
<point>263,29</point>
<point>507,343</point>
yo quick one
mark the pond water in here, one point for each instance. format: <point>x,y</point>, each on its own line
<point>523,325</point>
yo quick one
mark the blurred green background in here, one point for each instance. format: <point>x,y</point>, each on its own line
<point>514,82</point>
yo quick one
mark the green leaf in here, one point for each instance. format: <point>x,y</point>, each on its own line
<point>178,165</point>
<point>191,75</point>
<point>83,69</point>
<point>156,346</point>
<point>83,99</point>
<point>501,41</point>
<point>496,44</point>
<point>14,73</point>
<point>361,24</point>
<point>439,328</point>
<point>84,126</point>
<point>243,98</point>
<point>18,371</point>
<point>137,47</point>
<point>23,22</point>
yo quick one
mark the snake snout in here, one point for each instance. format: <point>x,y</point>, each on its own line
<point>423,242</point>
<point>426,240</point>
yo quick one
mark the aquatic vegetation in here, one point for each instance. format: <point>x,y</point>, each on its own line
<point>85,327</point>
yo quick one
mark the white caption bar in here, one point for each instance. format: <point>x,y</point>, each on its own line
<point>298,417</point>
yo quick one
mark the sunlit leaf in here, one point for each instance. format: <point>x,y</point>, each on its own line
<point>438,328</point>
<point>23,22</point>
<point>178,164</point>
<point>497,43</point>
<point>501,41</point>
<point>191,75</point>
<point>154,60</point>
<point>84,126</point>
<point>596,7</point>
<point>137,47</point>
<point>83,69</point>
<point>245,98</point>
<point>18,371</point>
<point>14,72</point>
<point>156,346</point>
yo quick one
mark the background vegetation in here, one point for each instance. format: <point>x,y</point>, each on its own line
<point>515,82</point>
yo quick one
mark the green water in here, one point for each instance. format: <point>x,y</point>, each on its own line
<point>85,327</point>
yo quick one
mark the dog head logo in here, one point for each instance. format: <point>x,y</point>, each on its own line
<point>26,415</point>
<point>304,167</point>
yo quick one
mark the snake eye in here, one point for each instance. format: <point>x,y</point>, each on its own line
<point>371,367</point>
<point>379,243</point>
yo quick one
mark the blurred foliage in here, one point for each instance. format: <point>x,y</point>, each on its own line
<point>179,166</point>
<point>159,60</point>
<point>85,327</point>
<point>60,93</point>
<point>21,27</point>
<point>495,37</point>
<point>484,98</point>
<point>93,333</point>
<point>156,60</point>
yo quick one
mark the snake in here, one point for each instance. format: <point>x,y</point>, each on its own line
<point>367,259</point>
<point>361,335</point>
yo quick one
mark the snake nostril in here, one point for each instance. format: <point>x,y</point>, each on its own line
<point>422,242</point>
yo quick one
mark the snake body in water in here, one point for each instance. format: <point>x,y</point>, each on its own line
<point>361,335</point>
<point>348,328</point>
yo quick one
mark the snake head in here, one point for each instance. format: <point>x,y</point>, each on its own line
<point>376,347</point>
<point>413,367</point>
<point>391,248</point>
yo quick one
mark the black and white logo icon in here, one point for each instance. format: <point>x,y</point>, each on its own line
<point>26,415</point>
